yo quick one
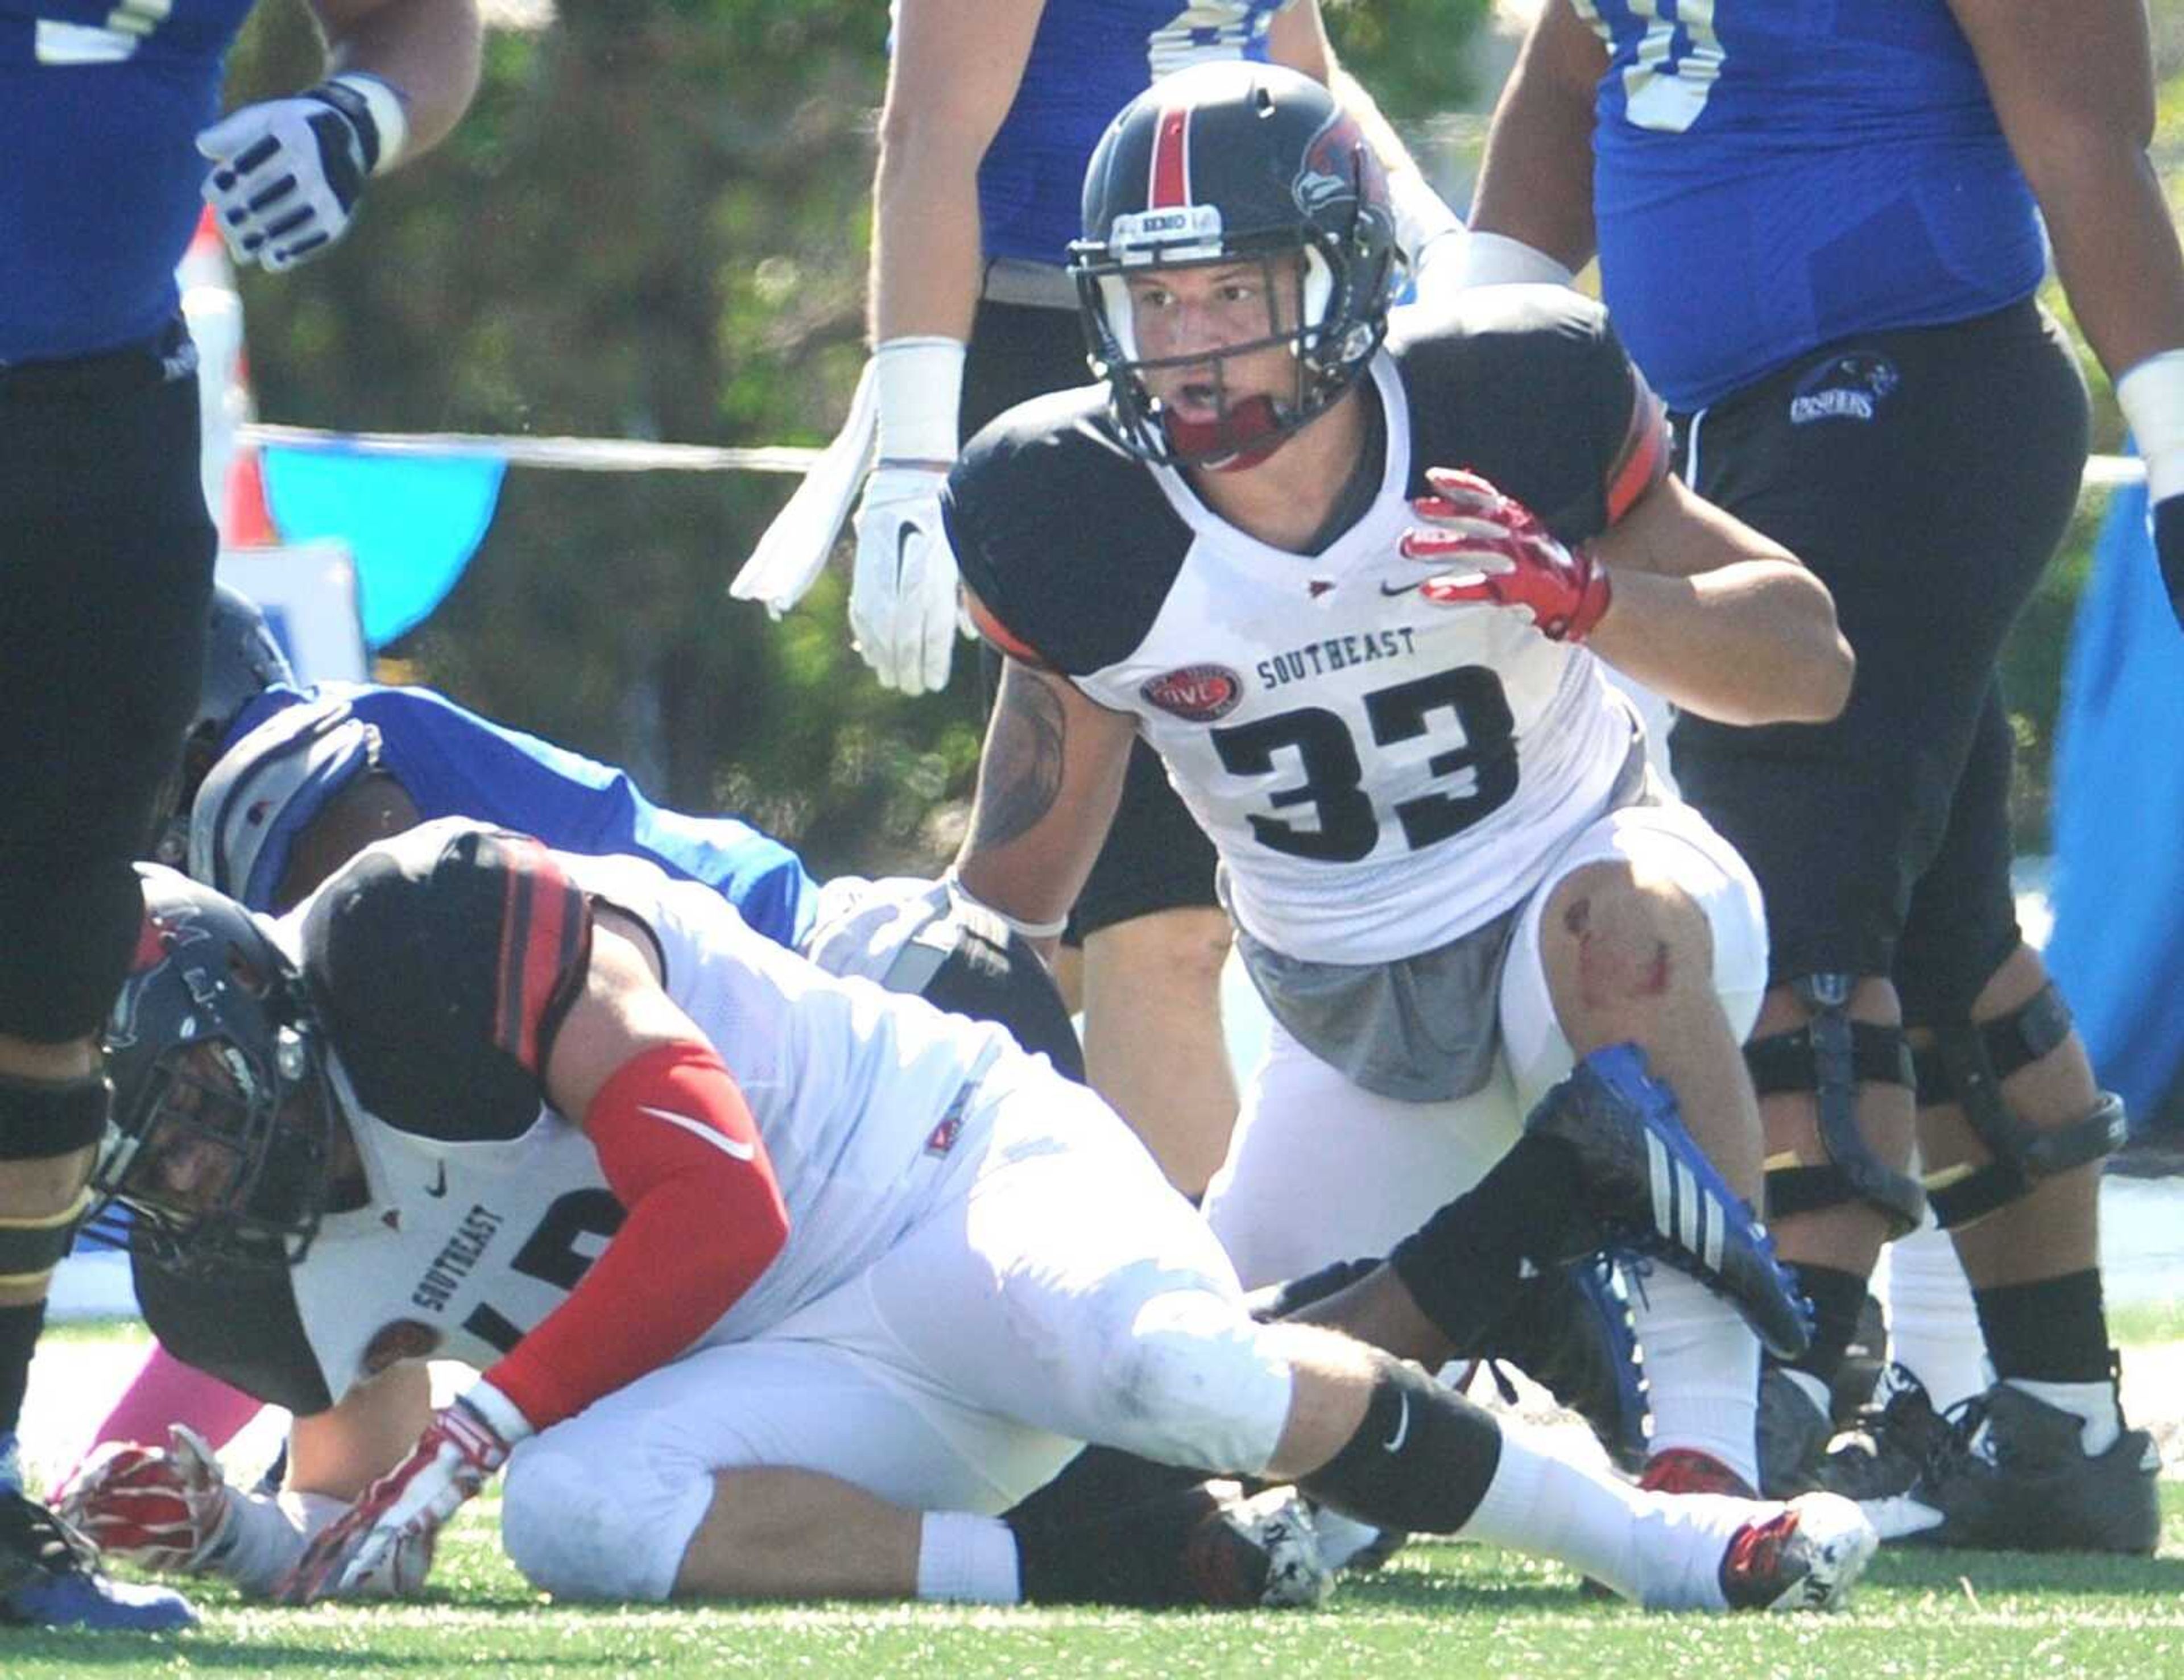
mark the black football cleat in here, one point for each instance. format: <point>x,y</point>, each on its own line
<point>1649,1191</point>
<point>1888,1443</point>
<point>2012,1474</point>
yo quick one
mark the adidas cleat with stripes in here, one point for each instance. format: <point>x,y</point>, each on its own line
<point>1650,1192</point>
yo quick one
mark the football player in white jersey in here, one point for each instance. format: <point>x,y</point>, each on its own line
<point>1353,590</point>
<point>796,1328</point>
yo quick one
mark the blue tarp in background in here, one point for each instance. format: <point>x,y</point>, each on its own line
<point>2118,945</point>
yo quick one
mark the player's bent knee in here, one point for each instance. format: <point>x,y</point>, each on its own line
<point>1190,1379</point>
<point>580,1527</point>
<point>1625,937</point>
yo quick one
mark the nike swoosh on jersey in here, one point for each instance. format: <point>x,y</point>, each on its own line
<point>732,1146</point>
<point>1401,588</point>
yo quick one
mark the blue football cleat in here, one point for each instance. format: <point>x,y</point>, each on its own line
<point>1649,1191</point>
<point>49,1577</point>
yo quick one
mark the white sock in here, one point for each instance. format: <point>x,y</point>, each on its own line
<point>1702,1366</point>
<point>1662,1550</point>
<point>2093,1402</point>
<point>972,1559</point>
<point>1933,1329</point>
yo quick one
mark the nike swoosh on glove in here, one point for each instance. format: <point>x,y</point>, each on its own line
<point>903,605</point>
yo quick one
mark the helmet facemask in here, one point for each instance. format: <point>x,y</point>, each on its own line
<point>217,1156</point>
<point>1299,287</point>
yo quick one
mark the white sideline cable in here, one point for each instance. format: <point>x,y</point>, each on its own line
<point>568,454</point>
<point>622,454</point>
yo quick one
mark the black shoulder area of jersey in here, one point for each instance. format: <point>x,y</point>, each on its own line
<point>1063,534</point>
<point>443,962</point>
<point>241,1326</point>
<point>1529,387</point>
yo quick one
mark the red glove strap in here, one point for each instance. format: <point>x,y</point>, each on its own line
<point>682,1152</point>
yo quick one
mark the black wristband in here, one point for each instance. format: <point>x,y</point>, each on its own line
<point>354,106</point>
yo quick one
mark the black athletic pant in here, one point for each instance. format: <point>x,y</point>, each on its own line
<point>106,560</point>
<point>1925,476</point>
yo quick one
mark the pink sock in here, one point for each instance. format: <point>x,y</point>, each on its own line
<point>166,1391</point>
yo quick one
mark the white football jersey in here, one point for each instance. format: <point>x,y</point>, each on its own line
<point>867,1100</point>
<point>1381,770</point>
<point>1380,773</point>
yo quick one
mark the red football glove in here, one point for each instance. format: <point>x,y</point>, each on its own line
<point>386,1532</point>
<point>158,1510</point>
<point>1515,562</point>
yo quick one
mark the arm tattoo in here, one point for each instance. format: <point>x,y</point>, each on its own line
<point>1021,774</point>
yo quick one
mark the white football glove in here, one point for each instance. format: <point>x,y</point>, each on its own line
<point>161,1510</point>
<point>903,612</point>
<point>288,172</point>
<point>396,1522</point>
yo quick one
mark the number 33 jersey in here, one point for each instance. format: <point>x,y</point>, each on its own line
<point>1381,770</point>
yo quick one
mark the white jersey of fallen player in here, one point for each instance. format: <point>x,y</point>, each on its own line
<point>860,1096</point>
<point>1427,760</point>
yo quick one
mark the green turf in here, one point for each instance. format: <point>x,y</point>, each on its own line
<point>1443,1611</point>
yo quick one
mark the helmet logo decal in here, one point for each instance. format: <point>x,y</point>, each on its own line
<point>1329,173</point>
<point>1169,187</point>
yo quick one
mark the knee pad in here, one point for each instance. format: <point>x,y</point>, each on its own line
<point>582,1524</point>
<point>1965,1064</point>
<point>1830,1056</point>
<point>40,1121</point>
<point>1190,1379</point>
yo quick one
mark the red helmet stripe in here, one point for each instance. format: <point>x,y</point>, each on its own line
<point>1170,188</point>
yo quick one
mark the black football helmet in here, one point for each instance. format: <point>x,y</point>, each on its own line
<point>1225,161</point>
<point>242,660</point>
<point>217,1152</point>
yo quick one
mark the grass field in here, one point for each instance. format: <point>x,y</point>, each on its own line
<point>1439,1610</point>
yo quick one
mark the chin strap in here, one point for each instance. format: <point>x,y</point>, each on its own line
<point>1238,437</point>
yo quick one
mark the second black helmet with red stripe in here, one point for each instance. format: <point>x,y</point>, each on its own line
<point>1237,167</point>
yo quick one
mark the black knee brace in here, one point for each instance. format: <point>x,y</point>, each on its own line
<point>1831,1056</point>
<point>40,1121</point>
<point>1965,1064</point>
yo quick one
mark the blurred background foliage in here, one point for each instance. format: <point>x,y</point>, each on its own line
<point>654,225</point>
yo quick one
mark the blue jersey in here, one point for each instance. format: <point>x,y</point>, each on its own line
<point>1089,58</point>
<point>1771,175</point>
<point>290,751</point>
<point>100,107</point>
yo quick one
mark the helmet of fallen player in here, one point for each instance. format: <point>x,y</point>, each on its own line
<point>241,661</point>
<point>1224,162</point>
<point>216,1155</point>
